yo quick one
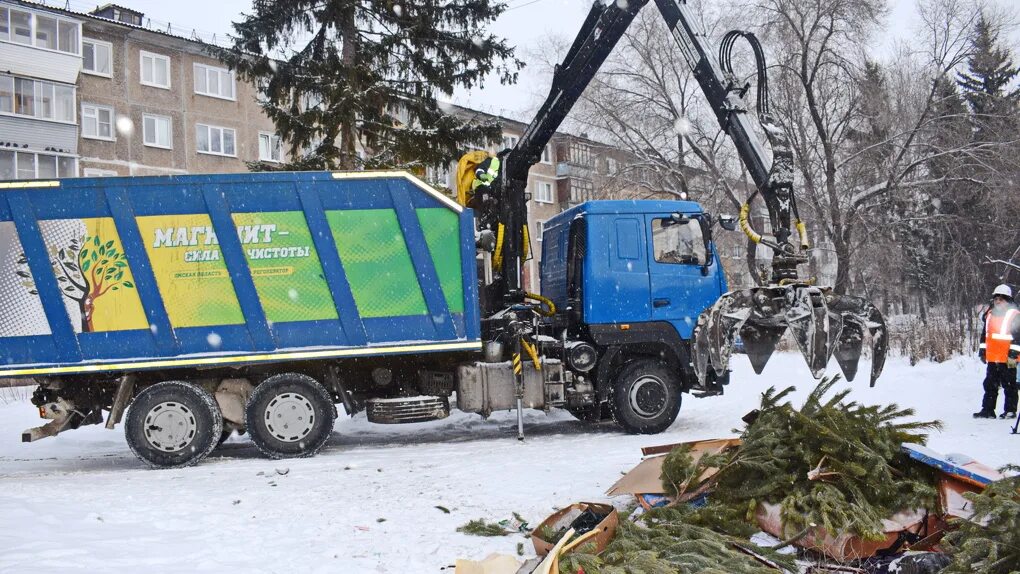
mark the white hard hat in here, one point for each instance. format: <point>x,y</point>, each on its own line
<point>1003,290</point>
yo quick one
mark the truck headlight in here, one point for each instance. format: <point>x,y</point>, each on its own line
<point>581,356</point>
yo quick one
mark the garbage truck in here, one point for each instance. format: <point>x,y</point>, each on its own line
<point>189,307</point>
<point>200,305</point>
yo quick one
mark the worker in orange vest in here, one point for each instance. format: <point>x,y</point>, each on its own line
<point>1000,347</point>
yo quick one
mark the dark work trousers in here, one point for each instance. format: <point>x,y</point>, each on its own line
<point>999,375</point>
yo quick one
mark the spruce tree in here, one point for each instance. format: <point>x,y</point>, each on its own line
<point>340,77</point>
<point>987,82</point>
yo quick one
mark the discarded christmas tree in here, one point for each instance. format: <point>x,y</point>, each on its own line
<point>989,543</point>
<point>832,463</point>
<point>665,541</point>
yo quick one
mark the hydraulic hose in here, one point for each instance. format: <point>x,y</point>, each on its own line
<point>745,222</point>
<point>533,353</point>
<point>497,255</point>
<point>802,233</point>
<point>550,307</point>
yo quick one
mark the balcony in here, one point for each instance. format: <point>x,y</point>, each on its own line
<point>566,169</point>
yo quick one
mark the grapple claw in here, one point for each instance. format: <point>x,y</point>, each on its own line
<point>859,314</point>
<point>823,325</point>
<point>813,326</point>
<point>716,327</point>
<point>760,342</point>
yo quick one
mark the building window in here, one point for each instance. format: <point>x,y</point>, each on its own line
<point>510,141</point>
<point>547,154</point>
<point>580,154</point>
<point>45,32</point>
<point>539,229</point>
<point>96,122</point>
<point>543,192</point>
<point>581,190</point>
<point>97,57</point>
<point>156,131</point>
<point>439,176</point>
<point>612,166</point>
<point>31,165</point>
<point>155,70</point>
<point>270,147</point>
<point>215,140</point>
<point>6,94</point>
<point>36,99</point>
<point>214,82</point>
<point>96,172</point>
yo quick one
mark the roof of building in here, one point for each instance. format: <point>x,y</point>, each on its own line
<point>119,7</point>
<point>168,32</point>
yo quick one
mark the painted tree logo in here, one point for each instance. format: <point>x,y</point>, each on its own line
<point>86,270</point>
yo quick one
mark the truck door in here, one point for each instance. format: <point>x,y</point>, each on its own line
<point>677,254</point>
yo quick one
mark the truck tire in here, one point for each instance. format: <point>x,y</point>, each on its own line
<point>173,424</point>
<point>290,415</point>
<point>645,397</point>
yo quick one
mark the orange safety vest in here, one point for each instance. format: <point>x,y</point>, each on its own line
<point>999,334</point>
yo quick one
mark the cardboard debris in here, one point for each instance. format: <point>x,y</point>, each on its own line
<point>644,481</point>
<point>561,520</point>
<point>957,475</point>
<point>492,564</point>
<point>846,546</point>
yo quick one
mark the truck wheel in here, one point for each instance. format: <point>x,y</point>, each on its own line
<point>645,397</point>
<point>289,415</point>
<point>173,424</point>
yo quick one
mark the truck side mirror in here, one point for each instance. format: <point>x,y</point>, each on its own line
<point>728,222</point>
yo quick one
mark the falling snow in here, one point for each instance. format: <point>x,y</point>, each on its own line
<point>125,127</point>
<point>214,340</point>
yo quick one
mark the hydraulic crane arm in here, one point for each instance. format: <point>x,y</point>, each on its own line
<point>823,323</point>
<point>601,31</point>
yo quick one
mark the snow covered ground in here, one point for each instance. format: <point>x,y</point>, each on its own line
<point>367,502</point>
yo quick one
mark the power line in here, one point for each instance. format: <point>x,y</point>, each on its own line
<point>522,5</point>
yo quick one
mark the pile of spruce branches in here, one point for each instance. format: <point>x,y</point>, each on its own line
<point>832,463</point>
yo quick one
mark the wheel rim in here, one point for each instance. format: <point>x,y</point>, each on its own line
<point>648,397</point>
<point>289,417</point>
<point>170,426</point>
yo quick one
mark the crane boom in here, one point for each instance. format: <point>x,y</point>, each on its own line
<point>822,322</point>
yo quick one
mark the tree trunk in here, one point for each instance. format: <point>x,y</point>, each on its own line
<point>842,245</point>
<point>348,54</point>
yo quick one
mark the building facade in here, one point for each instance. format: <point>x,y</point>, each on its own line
<point>40,58</point>
<point>98,94</point>
<point>156,104</point>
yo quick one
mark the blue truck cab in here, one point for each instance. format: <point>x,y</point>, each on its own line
<point>632,277</point>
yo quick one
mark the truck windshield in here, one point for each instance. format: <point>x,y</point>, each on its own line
<point>678,242</point>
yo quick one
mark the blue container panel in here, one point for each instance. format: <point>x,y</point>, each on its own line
<point>175,271</point>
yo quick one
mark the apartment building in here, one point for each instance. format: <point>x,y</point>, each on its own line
<point>155,104</point>
<point>40,57</point>
<point>98,93</point>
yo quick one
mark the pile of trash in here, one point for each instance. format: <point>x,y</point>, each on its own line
<point>831,486</point>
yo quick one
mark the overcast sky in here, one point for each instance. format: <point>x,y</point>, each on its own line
<point>524,24</point>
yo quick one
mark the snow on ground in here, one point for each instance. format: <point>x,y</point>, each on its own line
<point>367,502</point>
